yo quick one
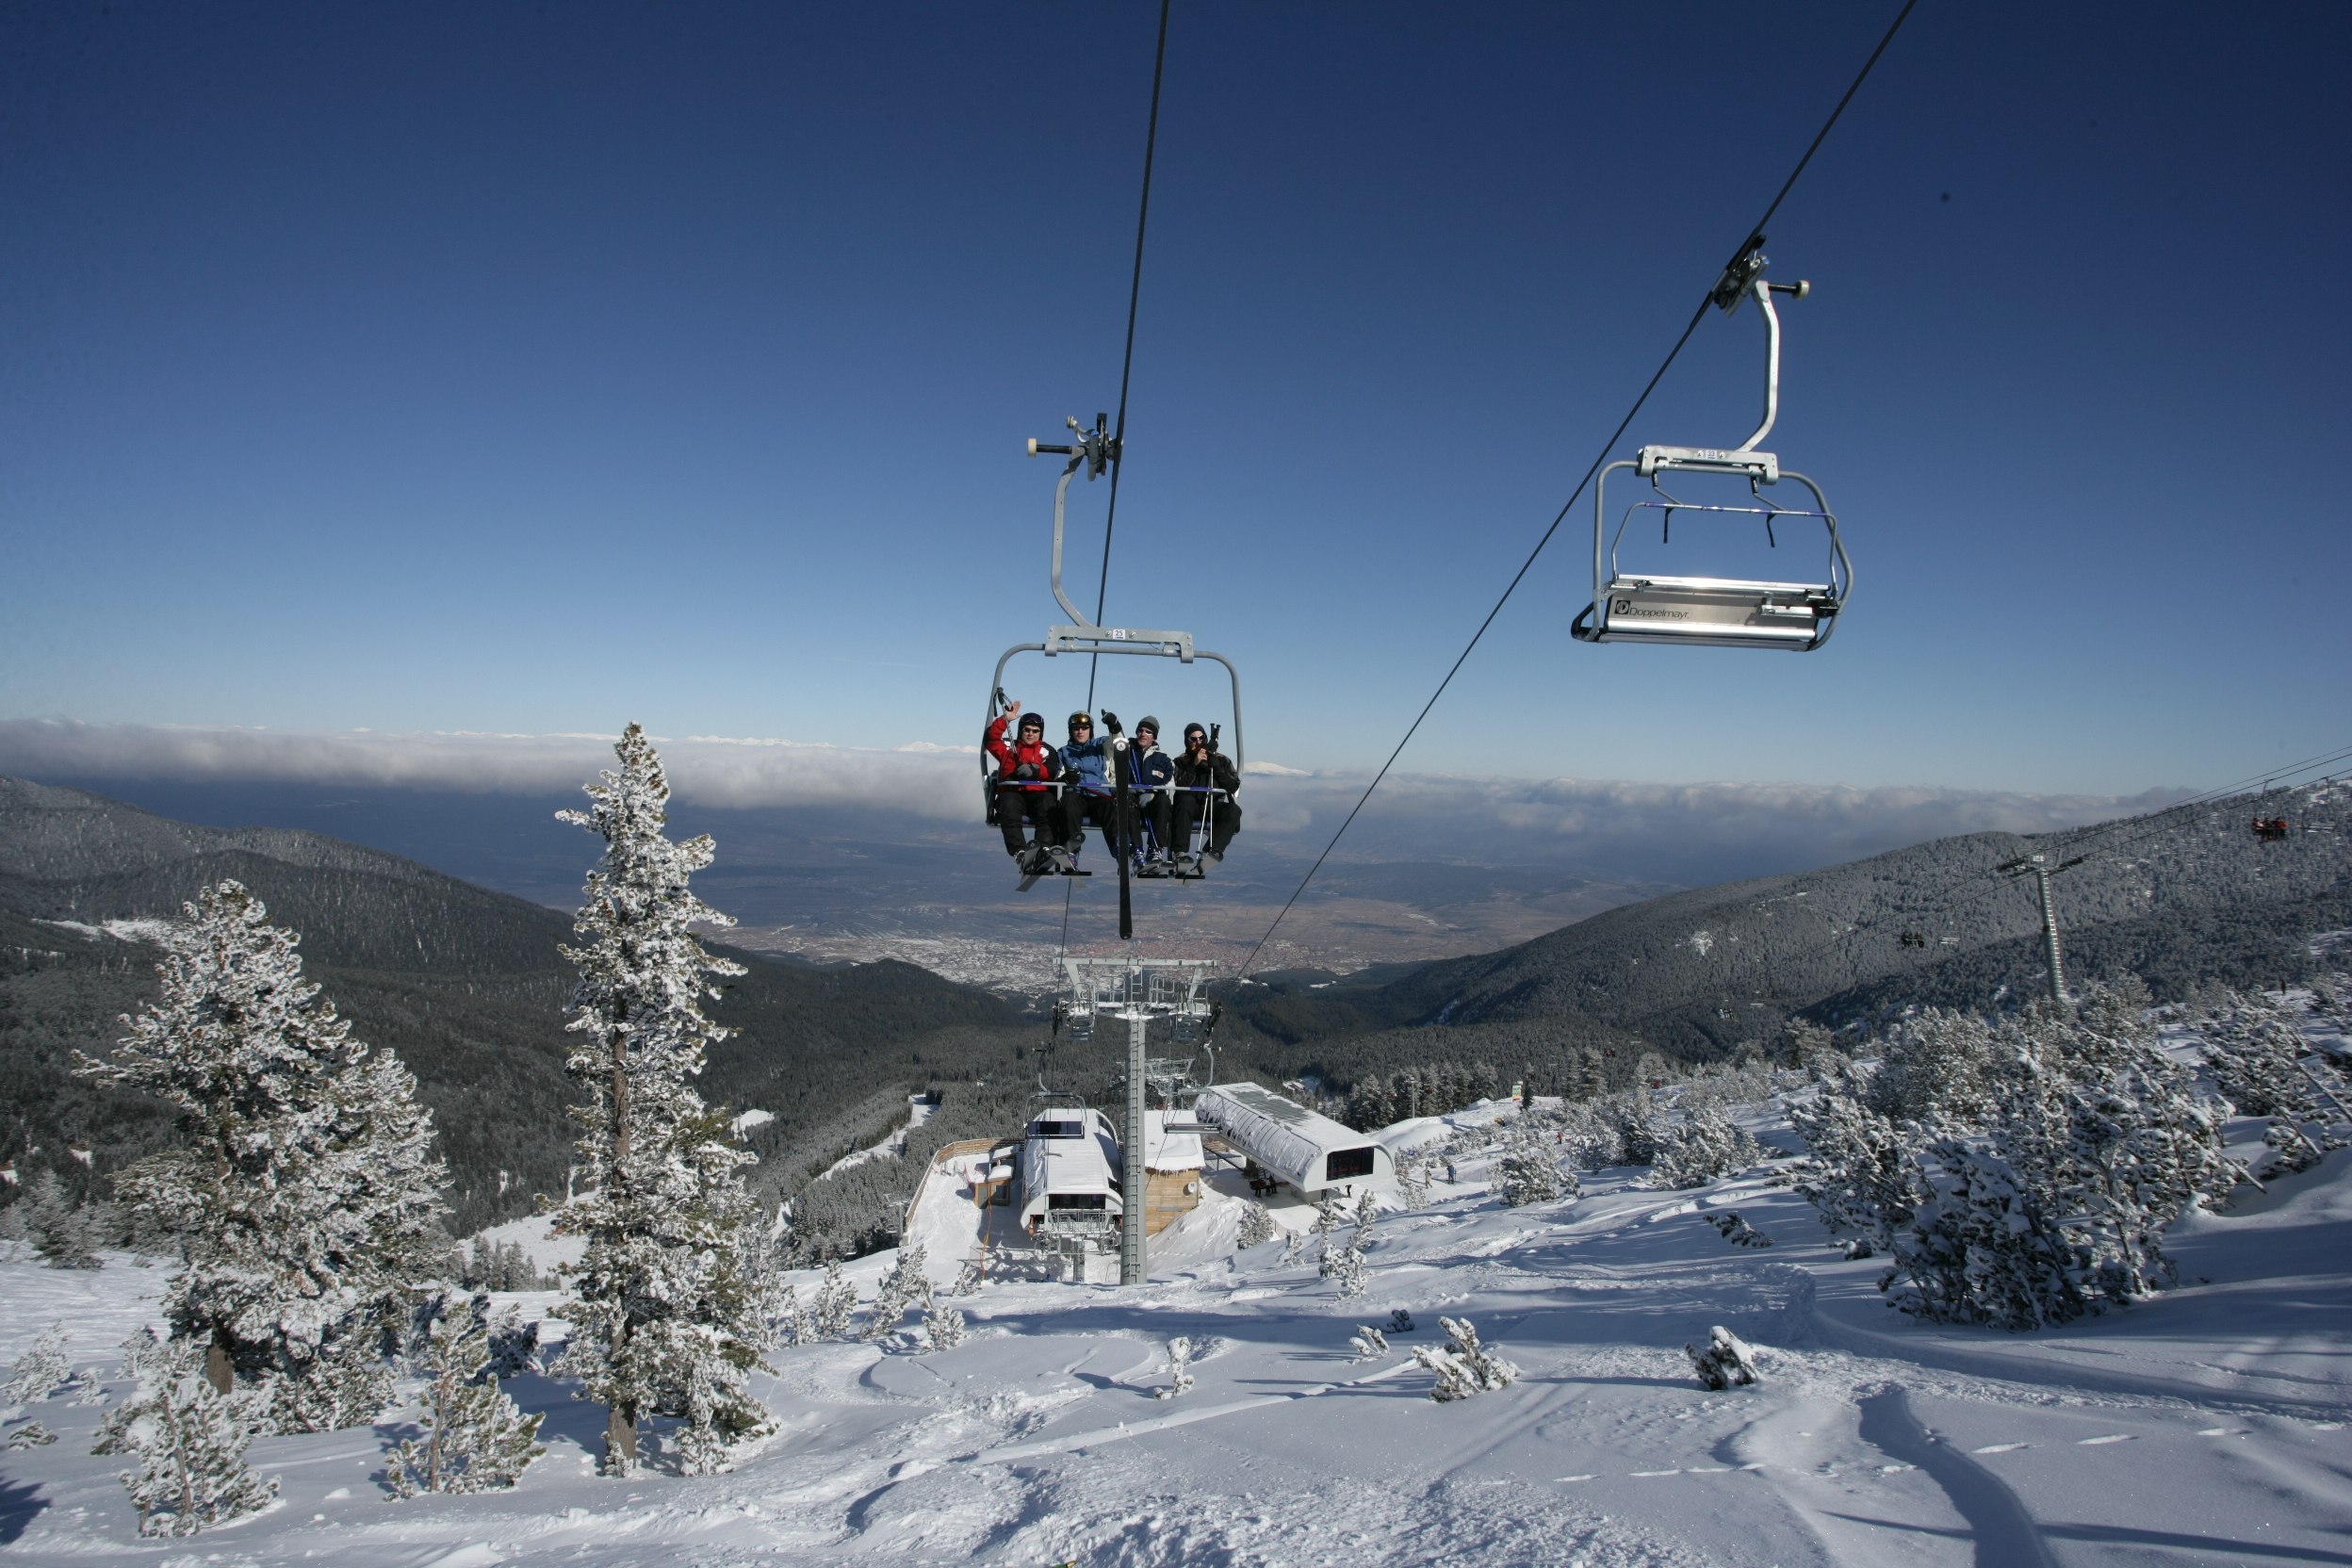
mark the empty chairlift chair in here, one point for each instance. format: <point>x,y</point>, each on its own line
<point>1631,606</point>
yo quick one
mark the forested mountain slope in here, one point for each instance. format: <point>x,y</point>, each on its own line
<point>466,985</point>
<point>2183,898</point>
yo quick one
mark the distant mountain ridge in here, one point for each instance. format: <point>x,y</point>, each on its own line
<point>466,983</point>
<point>2183,897</point>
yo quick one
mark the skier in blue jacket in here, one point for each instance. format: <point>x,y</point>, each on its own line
<point>1087,791</point>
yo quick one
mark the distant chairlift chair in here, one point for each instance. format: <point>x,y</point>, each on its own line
<point>1716,611</point>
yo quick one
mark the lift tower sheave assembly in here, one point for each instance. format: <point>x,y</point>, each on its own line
<point>1136,990</point>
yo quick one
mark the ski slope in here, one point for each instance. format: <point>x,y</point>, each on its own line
<point>2208,1425</point>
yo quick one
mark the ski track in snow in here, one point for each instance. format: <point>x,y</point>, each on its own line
<point>2206,1426</point>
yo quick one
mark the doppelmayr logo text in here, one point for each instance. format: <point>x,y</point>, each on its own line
<point>1625,607</point>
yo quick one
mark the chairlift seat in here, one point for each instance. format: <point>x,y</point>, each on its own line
<point>1710,611</point>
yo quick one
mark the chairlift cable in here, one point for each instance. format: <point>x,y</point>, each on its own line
<point>1608,447</point>
<point>1127,360</point>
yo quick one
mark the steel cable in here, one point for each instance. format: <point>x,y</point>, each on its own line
<point>1607,447</point>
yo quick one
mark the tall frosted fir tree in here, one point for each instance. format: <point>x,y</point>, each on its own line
<point>304,1191</point>
<point>668,1307</point>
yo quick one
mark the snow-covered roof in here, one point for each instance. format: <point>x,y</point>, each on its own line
<point>1166,1151</point>
<point>1284,1136</point>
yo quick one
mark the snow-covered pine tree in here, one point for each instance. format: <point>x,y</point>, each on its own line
<point>475,1438</point>
<point>1368,1343</point>
<point>1414,1171</point>
<point>2095,1142</point>
<point>835,1303</point>
<point>61,1231</point>
<point>1343,1265</point>
<point>969,1278</point>
<point>1180,1379</point>
<point>189,1439</point>
<point>2255,1049</point>
<point>667,1306</point>
<point>1707,1144</point>
<point>304,1194</point>
<point>1330,1212</point>
<point>1528,1170</point>
<point>789,1321</point>
<point>1256,1228</point>
<point>1861,1173</point>
<point>1640,1127</point>
<point>904,1286</point>
<point>1726,1362</point>
<point>943,1327</point>
<point>1462,1366</point>
<point>39,1370</point>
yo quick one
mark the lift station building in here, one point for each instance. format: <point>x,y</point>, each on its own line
<point>1303,1149</point>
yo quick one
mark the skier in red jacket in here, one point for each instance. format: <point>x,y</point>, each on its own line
<point>1025,770</point>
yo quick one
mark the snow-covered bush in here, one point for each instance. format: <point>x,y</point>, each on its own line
<point>189,1439</point>
<point>669,1304</point>
<point>1343,1264</point>
<point>2093,1143</point>
<point>1417,1170</point>
<point>2255,1049</point>
<point>302,1192</point>
<point>943,1327</point>
<point>1180,1379</point>
<point>1528,1170</point>
<point>1368,1343</point>
<point>1936,1067</point>
<point>968,1280</point>
<point>1636,1128</point>
<point>1707,1144</point>
<point>1399,1321</point>
<point>1862,1173</point>
<point>474,1436</point>
<point>835,1303</point>
<point>39,1370</point>
<point>1726,1363</point>
<point>1737,1231</point>
<point>30,1434</point>
<point>1462,1366</point>
<point>904,1286</point>
<point>787,1321</point>
<point>514,1344</point>
<point>1257,1226</point>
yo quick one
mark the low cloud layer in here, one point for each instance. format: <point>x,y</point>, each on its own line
<point>1686,833</point>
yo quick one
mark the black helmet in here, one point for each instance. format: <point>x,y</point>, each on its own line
<point>1033,721</point>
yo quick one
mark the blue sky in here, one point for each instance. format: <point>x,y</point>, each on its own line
<point>430,368</point>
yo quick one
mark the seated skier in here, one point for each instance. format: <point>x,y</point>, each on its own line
<point>1087,785</point>
<point>1201,767</point>
<point>1025,770</point>
<point>1149,771</point>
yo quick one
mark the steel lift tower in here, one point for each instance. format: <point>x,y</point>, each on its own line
<point>1136,990</point>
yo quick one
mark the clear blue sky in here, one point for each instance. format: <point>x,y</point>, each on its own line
<point>522,368</point>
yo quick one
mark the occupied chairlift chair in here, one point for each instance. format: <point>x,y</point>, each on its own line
<point>1714,612</point>
<point>1095,451</point>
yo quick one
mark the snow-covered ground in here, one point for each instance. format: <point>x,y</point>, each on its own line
<point>2208,1425</point>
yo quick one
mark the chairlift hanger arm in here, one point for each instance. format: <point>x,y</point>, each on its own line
<point>1095,451</point>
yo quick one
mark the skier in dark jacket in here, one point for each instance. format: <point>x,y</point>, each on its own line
<point>1201,767</point>
<point>1086,784</point>
<point>1025,770</point>
<point>1149,773</point>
